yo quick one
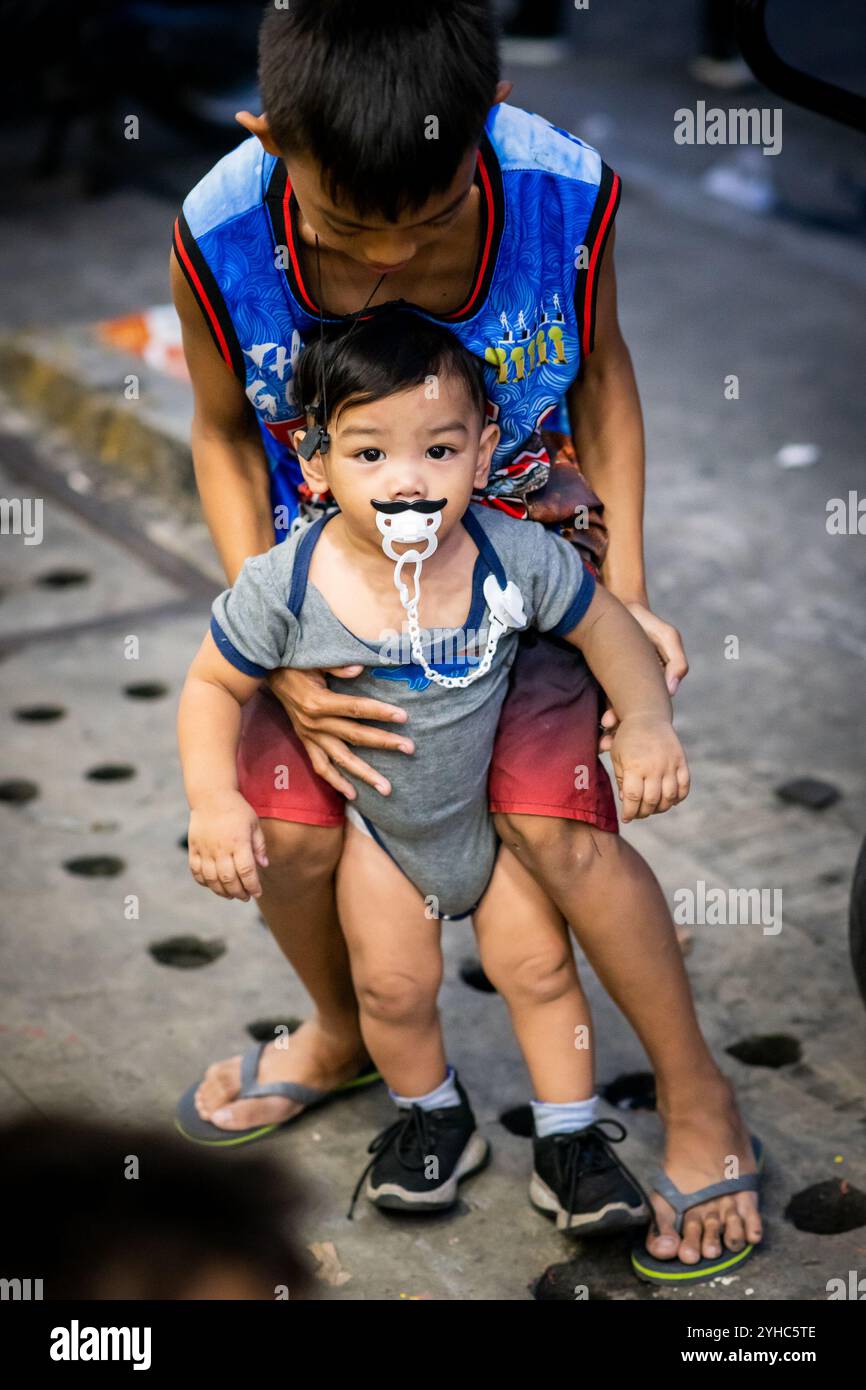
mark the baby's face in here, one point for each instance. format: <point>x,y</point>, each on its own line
<point>409,447</point>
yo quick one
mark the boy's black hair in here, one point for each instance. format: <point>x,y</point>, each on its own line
<point>354,83</point>
<point>393,351</point>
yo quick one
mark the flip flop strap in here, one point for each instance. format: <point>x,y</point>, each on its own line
<point>683,1201</point>
<point>252,1089</point>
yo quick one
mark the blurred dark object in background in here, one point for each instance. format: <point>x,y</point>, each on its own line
<point>90,64</point>
<point>533,33</point>
<point>719,62</point>
<point>836,101</point>
<point>186,1227</point>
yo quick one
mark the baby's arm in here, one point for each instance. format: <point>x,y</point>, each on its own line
<point>648,759</point>
<point>226,841</point>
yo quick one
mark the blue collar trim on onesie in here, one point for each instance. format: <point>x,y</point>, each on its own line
<point>488,562</point>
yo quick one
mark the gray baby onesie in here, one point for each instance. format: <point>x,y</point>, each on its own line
<point>435,824</point>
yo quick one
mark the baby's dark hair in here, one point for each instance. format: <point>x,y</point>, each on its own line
<point>356,86</point>
<point>392,351</point>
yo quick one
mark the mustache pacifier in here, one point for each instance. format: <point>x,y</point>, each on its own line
<point>409,523</point>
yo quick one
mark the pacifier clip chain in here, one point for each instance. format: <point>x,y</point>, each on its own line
<point>412,622</point>
<point>414,524</point>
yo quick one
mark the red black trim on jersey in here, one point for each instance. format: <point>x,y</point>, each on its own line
<point>200,279</point>
<point>282,208</point>
<point>600,223</point>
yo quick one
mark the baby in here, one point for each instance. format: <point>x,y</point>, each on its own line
<point>409,579</point>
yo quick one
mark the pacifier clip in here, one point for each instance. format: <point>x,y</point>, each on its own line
<point>416,523</point>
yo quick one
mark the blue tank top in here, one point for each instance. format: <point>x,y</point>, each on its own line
<point>547,205</point>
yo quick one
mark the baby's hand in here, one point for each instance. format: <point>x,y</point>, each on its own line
<point>650,766</point>
<point>226,842</point>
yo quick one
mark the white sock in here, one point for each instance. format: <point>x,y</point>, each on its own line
<point>443,1095</point>
<point>563,1118</point>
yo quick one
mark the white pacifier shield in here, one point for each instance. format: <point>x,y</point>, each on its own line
<point>409,526</point>
<point>506,605</point>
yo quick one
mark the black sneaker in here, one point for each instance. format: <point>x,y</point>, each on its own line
<point>419,1160</point>
<point>580,1181</point>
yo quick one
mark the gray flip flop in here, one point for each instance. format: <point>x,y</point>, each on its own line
<point>655,1271</point>
<point>192,1126</point>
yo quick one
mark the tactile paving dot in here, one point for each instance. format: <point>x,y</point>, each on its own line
<point>472,974</point>
<point>39,714</point>
<point>17,790</point>
<point>95,866</point>
<point>767,1050</point>
<point>186,952</point>
<point>110,772</point>
<point>827,1208</point>
<point>62,578</point>
<point>518,1121</point>
<point>145,690</point>
<point>265,1029</point>
<point>633,1090</point>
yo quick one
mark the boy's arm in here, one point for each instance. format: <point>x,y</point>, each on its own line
<point>231,470</point>
<point>225,838</point>
<point>647,757</point>
<point>607,428</point>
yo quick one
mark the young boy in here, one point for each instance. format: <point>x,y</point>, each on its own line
<point>491,220</point>
<point>409,561</point>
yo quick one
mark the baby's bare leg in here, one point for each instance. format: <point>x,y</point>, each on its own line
<point>396,964</point>
<point>526,953</point>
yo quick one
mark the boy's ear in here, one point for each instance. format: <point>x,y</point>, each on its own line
<point>503,92</point>
<point>258,126</point>
<point>312,469</point>
<point>487,443</point>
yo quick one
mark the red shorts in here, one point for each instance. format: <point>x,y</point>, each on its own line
<point>545,760</point>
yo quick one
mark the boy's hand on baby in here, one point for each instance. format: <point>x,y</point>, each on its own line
<point>671,653</point>
<point>226,842</point>
<point>326,723</point>
<point>650,766</point>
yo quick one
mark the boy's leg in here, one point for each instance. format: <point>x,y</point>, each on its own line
<point>302,818</point>
<point>298,905</point>
<point>557,814</point>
